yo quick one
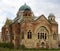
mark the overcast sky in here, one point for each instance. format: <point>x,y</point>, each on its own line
<point>9,8</point>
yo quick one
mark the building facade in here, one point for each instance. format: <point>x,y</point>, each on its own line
<point>30,32</point>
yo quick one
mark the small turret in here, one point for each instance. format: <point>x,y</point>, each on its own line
<point>51,18</point>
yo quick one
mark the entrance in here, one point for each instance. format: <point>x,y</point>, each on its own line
<point>42,45</point>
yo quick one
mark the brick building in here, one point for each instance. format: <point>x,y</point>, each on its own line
<point>30,32</point>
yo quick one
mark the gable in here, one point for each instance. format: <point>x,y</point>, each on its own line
<point>42,19</point>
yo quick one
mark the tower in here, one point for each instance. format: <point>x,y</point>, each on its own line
<point>54,30</point>
<point>25,13</point>
<point>51,18</point>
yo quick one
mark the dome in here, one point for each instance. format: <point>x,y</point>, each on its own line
<point>24,7</point>
<point>51,15</point>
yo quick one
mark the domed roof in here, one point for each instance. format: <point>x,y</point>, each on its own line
<point>51,15</point>
<point>24,7</point>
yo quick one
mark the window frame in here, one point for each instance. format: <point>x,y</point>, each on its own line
<point>29,36</point>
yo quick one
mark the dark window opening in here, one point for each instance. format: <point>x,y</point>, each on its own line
<point>41,36</point>
<point>51,18</point>
<point>59,45</point>
<point>38,36</point>
<point>29,34</point>
<point>45,35</point>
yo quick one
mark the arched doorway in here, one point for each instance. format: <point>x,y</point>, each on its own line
<point>42,44</point>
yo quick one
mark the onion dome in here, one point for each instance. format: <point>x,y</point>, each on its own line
<point>24,7</point>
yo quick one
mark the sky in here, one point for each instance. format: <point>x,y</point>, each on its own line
<point>9,9</point>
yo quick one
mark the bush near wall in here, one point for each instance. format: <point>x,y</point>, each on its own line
<point>6,45</point>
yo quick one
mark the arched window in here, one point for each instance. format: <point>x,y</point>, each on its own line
<point>41,35</point>
<point>43,32</point>
<point>29,34</point>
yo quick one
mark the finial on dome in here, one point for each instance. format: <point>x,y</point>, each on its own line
<point>25,4</point>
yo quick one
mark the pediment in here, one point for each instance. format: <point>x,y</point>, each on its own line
<point>42,19</point>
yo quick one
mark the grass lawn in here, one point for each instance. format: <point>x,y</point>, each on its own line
<point>7,49</point>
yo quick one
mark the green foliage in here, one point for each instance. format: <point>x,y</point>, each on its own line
<point>6,45</point>
<point>10,47</point>
<point>8,22</point>
<point>22,47</point>
<point>7,49</point>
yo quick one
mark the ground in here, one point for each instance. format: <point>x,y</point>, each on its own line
<point>7,49</point>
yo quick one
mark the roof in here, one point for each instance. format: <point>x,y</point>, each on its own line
<point>51,15</point>
<point>23,7</point>
<point>41,16</point>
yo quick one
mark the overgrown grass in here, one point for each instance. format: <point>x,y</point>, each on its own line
<point>7,49</point>
<point>10,47</point>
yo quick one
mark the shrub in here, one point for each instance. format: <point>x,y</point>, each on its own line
<point>6,45</point>
<point>22,47</point>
